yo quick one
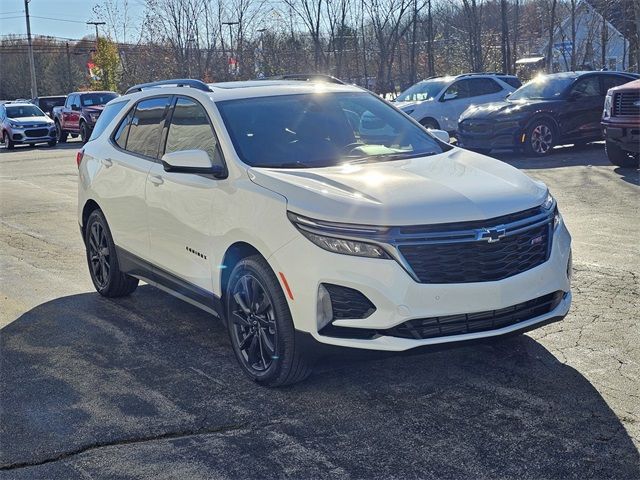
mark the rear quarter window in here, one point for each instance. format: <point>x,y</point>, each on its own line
<point>513,81</point>
<point>106,117</point>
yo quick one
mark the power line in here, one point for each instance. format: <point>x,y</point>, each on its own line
<point>57,19</point>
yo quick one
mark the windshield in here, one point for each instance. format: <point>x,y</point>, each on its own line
<point>542,88</point>
<point>421,91</point>
<point>22,111</point>
<point>321,130</point>
<point>89,99</point>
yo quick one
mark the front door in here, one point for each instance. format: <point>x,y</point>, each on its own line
<point>180,205</point>
<point>583,110</point>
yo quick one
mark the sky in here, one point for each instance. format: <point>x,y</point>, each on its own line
<point>66,18</point>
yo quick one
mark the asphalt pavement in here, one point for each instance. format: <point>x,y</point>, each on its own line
<point>147,386</point>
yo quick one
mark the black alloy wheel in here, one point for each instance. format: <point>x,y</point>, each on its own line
<point>102,259</point>
<point>261,327</point>
<point>253,323</point>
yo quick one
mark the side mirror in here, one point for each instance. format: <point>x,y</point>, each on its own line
<point>191,161</point>
<point>440,135</point>
<point>449,96</point>
<point>508,95</point>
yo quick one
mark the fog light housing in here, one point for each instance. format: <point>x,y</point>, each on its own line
<point>324,310</point>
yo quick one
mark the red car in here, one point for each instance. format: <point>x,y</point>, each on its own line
<point>621,124</point>
<point>79,114</point>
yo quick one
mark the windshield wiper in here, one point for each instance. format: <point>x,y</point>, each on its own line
<point>387,157</point>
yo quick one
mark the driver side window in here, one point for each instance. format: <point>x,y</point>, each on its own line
<point>458,90</point>
<point>586,87</point>
<point>190,130</point>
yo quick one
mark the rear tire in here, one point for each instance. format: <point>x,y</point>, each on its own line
<point>60,133</point>
<point>261,327</point>
<point>52,143</point>
<point>621,158</point>
<point>102,259</point>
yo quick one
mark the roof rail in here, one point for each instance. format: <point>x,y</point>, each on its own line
<point>485,73</point>
<point>176,82</point>
<point>306,77</point>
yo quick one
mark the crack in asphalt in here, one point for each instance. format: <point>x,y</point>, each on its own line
<point>126,441</point>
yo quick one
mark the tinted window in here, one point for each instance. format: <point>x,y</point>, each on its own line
<point>321,130</point>
<point>89,99</point>
<point>459,89</point>
<point>190,130</point>
<point>108,114</point>
<point>483,86</point>
<point>121,133</point>
<point>421,91</point>
<point>543,87</point>
<point>587,87</point>
<point>513,81</point>
<point>146,126</point>
<point>610,81</point>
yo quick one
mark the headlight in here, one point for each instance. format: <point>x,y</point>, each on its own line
<point>15,125</point>
<point>94,117</point>
<point>550,204</point>
<point>328,236</point>
<point>606,113</point>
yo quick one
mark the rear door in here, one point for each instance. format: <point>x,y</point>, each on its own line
<point>181,205</point>
<point>135,145</point>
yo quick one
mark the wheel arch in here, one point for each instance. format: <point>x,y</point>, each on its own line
<point>234,253</point>
<point>545,116</point>
<point>429,119</point>
<point>89,207</point>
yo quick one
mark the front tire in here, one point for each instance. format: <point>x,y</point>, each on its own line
<point>84,133</point>
<point>60,133</point>
<point>102,259</point>
<point>8,142</point>
<point>261,327</point>
<point>540,138</point>
<point>621,158</point>
<point>52,143</point>
<point>430,123</point>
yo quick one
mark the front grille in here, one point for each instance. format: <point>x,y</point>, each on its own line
<point>475,322</point>
<point>624,104</point>
<point>469,126</point>
<point>462,253</point>
<point>39,132</point>
<point>348,303</point>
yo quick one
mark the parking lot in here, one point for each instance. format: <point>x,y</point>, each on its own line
<point>147,386</point>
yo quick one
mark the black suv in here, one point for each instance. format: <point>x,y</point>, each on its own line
<point>549,110</point>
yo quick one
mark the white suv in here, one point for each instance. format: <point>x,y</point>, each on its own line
<point>268,204</point>
<point>438,102</point>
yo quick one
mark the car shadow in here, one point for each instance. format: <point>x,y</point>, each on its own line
<point>592,154</point>
<point>83,372</point>
<point>630,175</point>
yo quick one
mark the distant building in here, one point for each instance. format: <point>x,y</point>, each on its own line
<point>592,32</point>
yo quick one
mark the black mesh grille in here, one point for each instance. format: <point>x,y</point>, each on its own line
<point>348,303</point>
<point>624,104</point>
<point>467,262</point>
<point>475,322</point>
<point>39,132</point>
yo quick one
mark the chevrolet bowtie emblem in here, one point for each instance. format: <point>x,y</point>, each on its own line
<point>492,235</point>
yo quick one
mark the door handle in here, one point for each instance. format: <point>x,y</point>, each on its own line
<point>156,180</point>
<point>107,162</point>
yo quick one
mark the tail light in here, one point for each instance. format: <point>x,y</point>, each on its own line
<point>79,156</point>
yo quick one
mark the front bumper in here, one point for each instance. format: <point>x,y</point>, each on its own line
<point>398,298</point>
<point>33,135</point>
<point>489,134</point>
<point>626,136</point>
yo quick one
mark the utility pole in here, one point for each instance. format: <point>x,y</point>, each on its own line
<point>32,63</point>
<point>69,79</point>
<point>235,59</point>
<point>95,24</point>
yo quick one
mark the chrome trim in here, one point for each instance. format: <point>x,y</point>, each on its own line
<point>391,239</point>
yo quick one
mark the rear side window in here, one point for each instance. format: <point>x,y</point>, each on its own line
<point>121,133</point>
<point>190,129</point>
<point>108,114</point>
<point>587,87</point>
<point>458,90</point>
<point>145,127</point>
<point>513,81</point>
<point>610,81</point>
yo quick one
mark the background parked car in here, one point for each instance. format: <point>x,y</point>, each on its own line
<point>438,102</point>
<point>549,110</point>
<point>46,104</point>
<point>621,124</point>
<point>25,123</point>
<point>79,114</point>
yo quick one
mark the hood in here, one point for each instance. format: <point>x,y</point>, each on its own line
<point>457,185</point>
<point>508,107</point>
<point>31,120</point>
<point>94,109</point>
